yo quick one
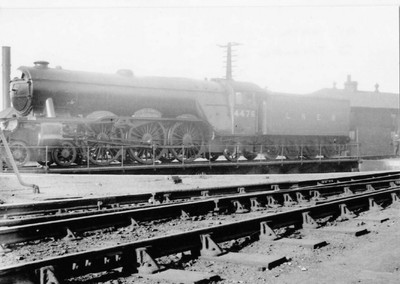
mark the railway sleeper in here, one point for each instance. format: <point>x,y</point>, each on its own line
<point>146,263</point>
<point>184,215</point>
<point>154,199</point>
<point>4,248</point>
<point>167,198</point>
<point>347,191</point>
<point>288,201</point>
<point>212,251</point>
<point>266,232</point>
<point>373,206</point>
<point>147,266</point>
<point>205,194</point>
<point>70,235</point>
<point>47,275</point>
<point>272,202</point>
<point>99,205</point>
<point>241,190</point>
<point>275,187</point>
<point>209,247</point>
<point>345,213</point>
<point>308,221</point>
<point>395,200</point>
<point>316,195</point>
<point>255,205</point>
<point>370,188</point>
<point>300,198</point>
<point>239,207</point>
<point>133,225</point>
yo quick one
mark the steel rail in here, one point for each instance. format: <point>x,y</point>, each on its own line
<point>239,202</point>
<point>113,204</point>
<point>57,206</point>
<point>326,190</point>
<point>100,203</point>
<point>125,255</point>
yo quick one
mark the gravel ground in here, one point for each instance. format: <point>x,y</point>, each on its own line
<point>75,186</point>
<point>53,186</point>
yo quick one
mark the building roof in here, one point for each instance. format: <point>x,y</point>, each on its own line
<point>364,99</point>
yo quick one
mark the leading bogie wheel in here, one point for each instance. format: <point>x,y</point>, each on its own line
<point>65,155</point>
<point>20,152</point>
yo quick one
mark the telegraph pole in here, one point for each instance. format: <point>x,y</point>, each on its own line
<point>398,107</point>
<point>229,56</point>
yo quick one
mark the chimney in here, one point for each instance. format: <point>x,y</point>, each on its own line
<point>376,88</point>
<point>350,85</point>
<point>6,57</point>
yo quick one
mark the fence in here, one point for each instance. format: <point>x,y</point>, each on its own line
<point>103,154</point>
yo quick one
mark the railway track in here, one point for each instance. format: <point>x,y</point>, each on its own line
<point>141,255</point>
<point>73,227</point>
<point>227,199</point>
<point>18,214</point>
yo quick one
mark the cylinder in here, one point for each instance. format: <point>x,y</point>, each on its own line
<point>6,59</point>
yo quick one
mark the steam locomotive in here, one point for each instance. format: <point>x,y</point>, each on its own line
<point>72,117</point>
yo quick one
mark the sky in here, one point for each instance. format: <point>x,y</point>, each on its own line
<point>285,46</point>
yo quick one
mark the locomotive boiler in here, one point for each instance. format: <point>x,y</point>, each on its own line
<point>72,116</point>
